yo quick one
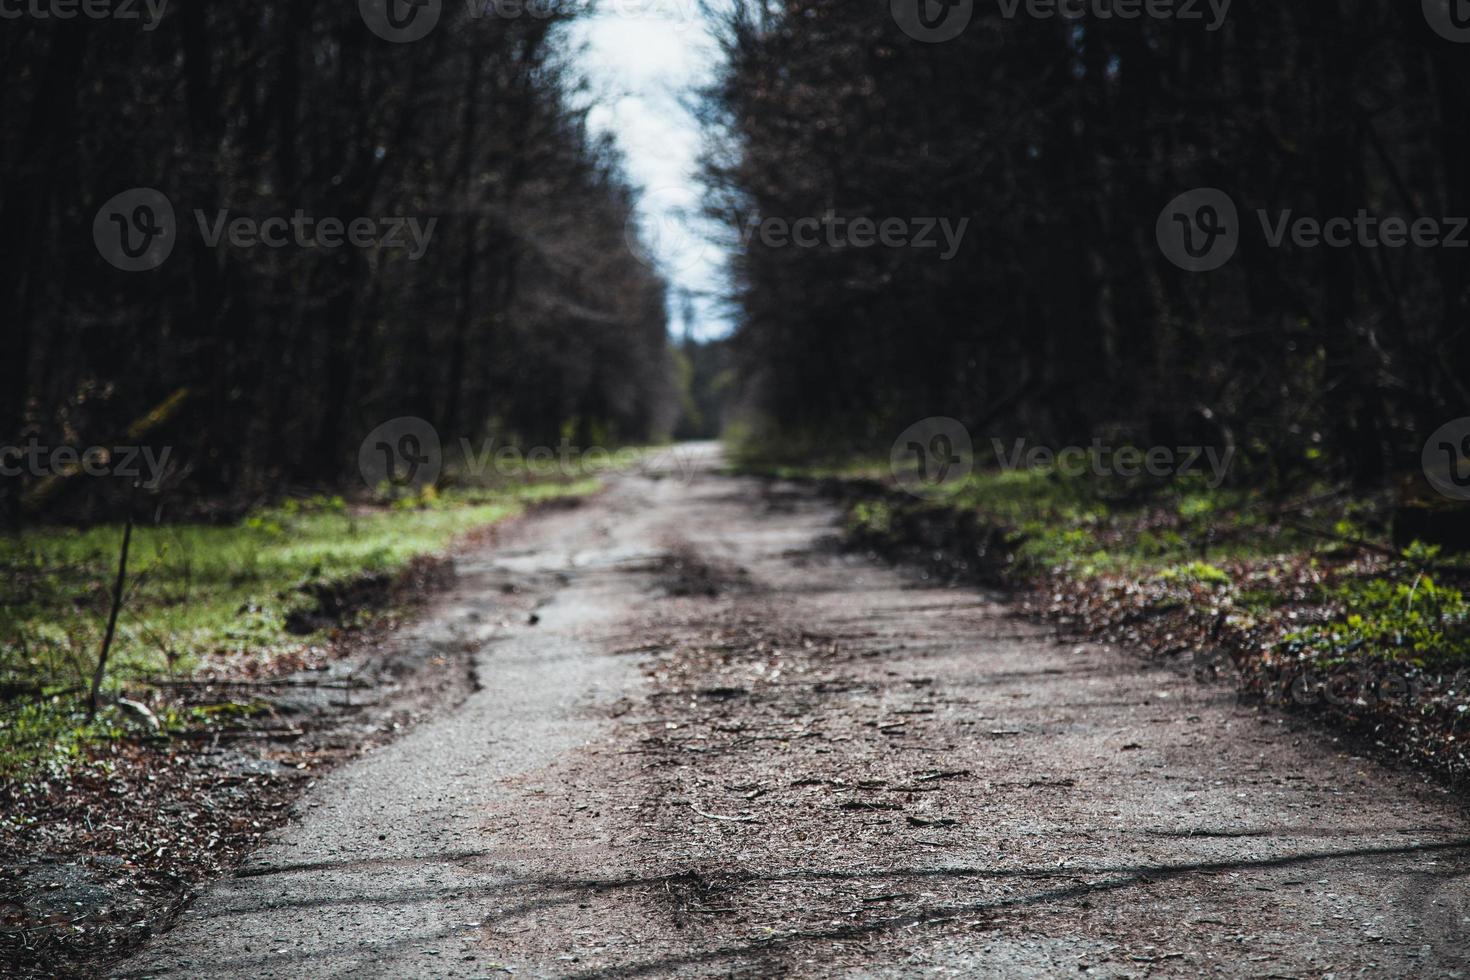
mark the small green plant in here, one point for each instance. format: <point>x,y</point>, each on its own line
<point>1195,573</point>
<point>51,731</point>
<point>871,517</point>
<point>1418,622</point>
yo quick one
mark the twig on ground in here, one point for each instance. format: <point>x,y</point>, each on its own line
<point>1318,532</point>
<point>745,818</point>
<point>117,602</point>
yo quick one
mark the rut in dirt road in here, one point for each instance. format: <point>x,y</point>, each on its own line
<point>727,747</point>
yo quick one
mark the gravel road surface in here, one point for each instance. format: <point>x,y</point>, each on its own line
<point>722,746</point>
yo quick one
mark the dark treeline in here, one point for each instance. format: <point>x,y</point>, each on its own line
<point>1063,141</point>
<point>708,380</point>
<point>526,311</point>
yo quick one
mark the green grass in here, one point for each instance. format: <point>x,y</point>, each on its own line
<point>196,596</point>
<point>1406,619</point>
<point>1089,526</point>
<point>1186,541</point>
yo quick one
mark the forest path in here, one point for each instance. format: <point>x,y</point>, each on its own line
<point>726,747</point>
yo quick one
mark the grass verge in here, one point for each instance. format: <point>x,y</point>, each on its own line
<point>255,598</point>
<point>1303,594</point>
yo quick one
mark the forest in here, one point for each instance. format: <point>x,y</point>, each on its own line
<point>254,339</point>
<point>1063,140</point>
<point>793,488</point>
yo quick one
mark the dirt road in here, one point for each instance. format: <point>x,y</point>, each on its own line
<point>725,747</point>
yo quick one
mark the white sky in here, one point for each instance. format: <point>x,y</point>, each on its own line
<point>644,59</point>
